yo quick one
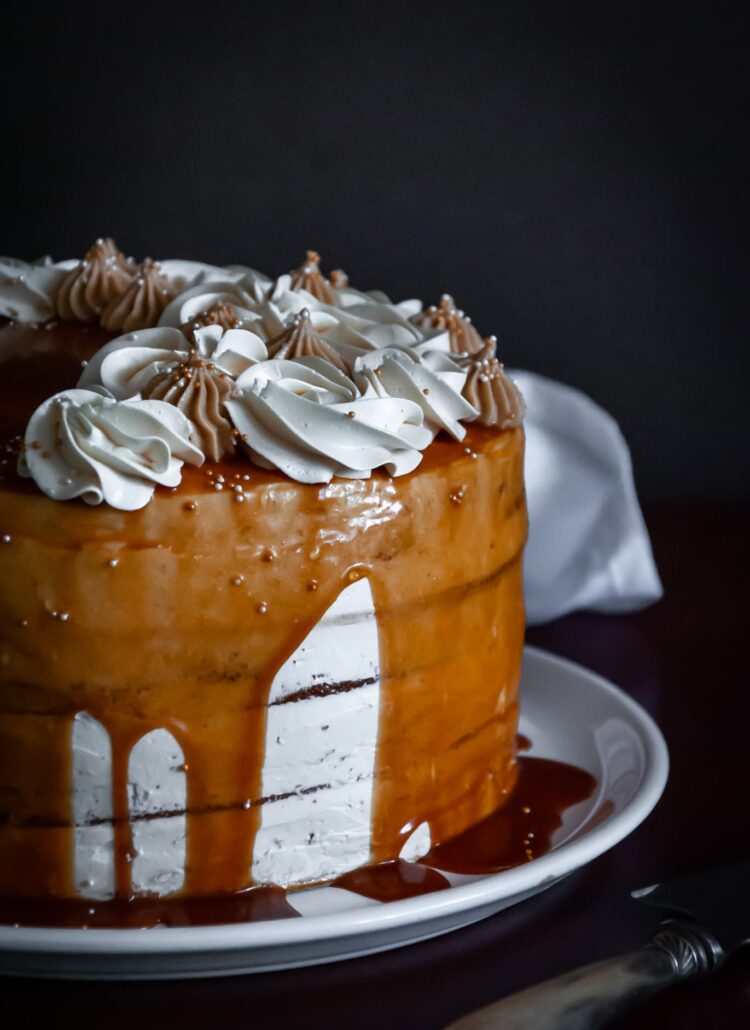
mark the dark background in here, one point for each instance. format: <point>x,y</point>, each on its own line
<point>571,172</point>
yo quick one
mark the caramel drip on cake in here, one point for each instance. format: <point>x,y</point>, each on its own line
<point>309,277</point>
<point>301,339</point>
<point>140,306</point>
<point>464,338</point>
<point>198,388</point>
<point>103,276</point>
<point>222,314</point>
<point>179,616</point>
<point>493,393</point>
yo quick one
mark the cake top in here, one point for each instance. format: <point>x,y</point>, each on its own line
<point>303,373</point>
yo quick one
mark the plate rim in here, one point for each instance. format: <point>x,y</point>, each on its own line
<point>538,873</point>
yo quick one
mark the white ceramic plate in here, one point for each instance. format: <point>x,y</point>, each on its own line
<point>570,715</point>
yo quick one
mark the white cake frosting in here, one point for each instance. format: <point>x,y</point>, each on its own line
<point>396,374</point>
<point>317,779</point>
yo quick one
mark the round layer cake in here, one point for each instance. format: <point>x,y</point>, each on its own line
<point>260,662</point>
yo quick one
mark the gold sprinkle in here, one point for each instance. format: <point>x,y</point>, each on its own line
<point>426,391</point>
<point>313,584</point>
<point>350,414</point>
<point>262,608</point>
<point>189,506</point>
<point>237,581</point>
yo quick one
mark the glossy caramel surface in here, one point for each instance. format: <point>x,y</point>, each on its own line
<point>179,615</point>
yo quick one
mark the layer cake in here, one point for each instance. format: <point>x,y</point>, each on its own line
<point>278,636</point>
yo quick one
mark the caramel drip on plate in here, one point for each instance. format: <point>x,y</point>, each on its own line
<point>392,881</point>
<point>256,904</point>
<point>521,829</point>
<point>178,616</point>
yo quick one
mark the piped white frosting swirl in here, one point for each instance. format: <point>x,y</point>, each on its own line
<point>28,290</point>
<point>374,391</point>
<point>81,443</point>
<point>310,421</point>
<point>125,366</point>
<point>430,380</point>
<point>204,295</point>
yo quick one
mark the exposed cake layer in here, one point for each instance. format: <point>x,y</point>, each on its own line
<point>317,781</point>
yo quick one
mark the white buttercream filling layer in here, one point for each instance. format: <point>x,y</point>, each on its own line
<point>317,779</point>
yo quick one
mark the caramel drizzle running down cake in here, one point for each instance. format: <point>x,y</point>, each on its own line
<point>261,611</point>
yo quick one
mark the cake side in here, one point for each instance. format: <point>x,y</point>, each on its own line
<point>251,679</point>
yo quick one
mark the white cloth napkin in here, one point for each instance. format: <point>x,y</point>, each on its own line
<point>588,544</point>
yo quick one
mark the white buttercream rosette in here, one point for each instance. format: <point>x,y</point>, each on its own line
<point>127,365</point>
<point>83,443</point>
<point>429,379</point>
<point>311,422</point>
<point>361,323</point>
<point>244,294</point>
<point>28,290</point>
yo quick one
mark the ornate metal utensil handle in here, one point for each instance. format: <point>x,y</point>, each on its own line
<point>587,997</point>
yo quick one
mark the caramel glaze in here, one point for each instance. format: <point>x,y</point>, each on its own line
<point>520,830</point>
<point>165,638</point>
<point>254,905</point>
<point>37,362</point>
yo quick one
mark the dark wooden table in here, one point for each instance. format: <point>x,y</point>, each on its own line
<point>683,659</point>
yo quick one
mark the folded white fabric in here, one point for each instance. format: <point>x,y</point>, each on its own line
<point>588,544</point>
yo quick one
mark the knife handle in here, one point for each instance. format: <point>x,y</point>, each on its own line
<point>587,997</point>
